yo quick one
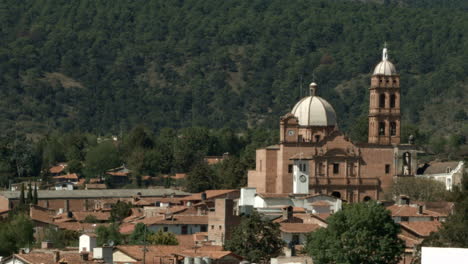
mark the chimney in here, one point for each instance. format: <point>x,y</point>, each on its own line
<point>203,196</point>
<point>287,213</point>
<point>56,256</point>
<point>84,256</point>
<point>420,209</point>
<point>66,204</point>
<point>46,244</point>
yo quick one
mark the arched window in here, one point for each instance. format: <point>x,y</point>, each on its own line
<point>336,194</point>
<point>382,100</point>
<point>392,101</point>
<point>381,128</point>
<point>393,128</point>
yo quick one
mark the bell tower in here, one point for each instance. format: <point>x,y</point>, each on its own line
<point>384,103</point>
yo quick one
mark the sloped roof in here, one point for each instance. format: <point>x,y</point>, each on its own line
<point>176,220</point>
<point>298,227</point>
<point>422,228</point>
<point>108,193</point>
<point>69,176</point>
<point>101,216</point>
<point>58,168</point>
<point>411,211</point>
<point>437,167</point>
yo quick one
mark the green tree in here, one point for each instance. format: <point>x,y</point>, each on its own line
<point>231,172</point>
<point>420,189</point>
<point>162,238</point>
<point>22,201</point>
<point>139,235</point>
<point>109,234</point>
<point>91,219</point>
<point>29,198</point>
<point>201,178</point>
<point>119,211</point>
<point>256,239</point>
<point>61,238</point>
<point>360,233</point>
<point>101,158</point>
<point>16,233</point>
<point>454,231</point>
<point>74,166</point>
<point>35,195</point>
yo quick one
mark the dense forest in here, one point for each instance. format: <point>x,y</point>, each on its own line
<point>105,67</point>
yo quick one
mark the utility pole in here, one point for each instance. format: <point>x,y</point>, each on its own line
<point>144,246</point>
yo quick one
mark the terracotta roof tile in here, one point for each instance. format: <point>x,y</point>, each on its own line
<point>70,176</point>
<point>126,228</point>
<point>58,168</point>
<point>101,216</point>
<point>81,227</point>
<point>41,214</point>
<point>153,251</point>
<point>409,241</point>
<point>411,211</point>
<point>298,227</point>
<point>422,228</point>
<point>176,220</point>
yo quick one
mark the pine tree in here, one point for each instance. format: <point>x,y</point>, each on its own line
<point>21,202</point>
<point>35,197</point>
<point>29,198</point>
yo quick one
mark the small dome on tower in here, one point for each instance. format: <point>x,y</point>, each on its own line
<point>314,110</point>
<point>385,67</point>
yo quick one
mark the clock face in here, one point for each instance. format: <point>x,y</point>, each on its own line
<point>291,132</point>
<point>303,178</point>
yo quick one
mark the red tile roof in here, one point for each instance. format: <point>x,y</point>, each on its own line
<point>58,168</point>
<point>81,227</point>
<point>101,216</point>
<point>69,176</point>
<point>41,214</point>
<point>411,211</point>
<point>298,227</point>
<point>126,228</point>
<point>421,228</point>
<point>409,241</point>
<point>176,220</point>
<point>119,174</point>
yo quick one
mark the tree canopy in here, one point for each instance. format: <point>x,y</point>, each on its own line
<point>360,233</point>
<point>256,239</point>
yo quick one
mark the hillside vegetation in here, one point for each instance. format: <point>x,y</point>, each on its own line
<point>106,66</point>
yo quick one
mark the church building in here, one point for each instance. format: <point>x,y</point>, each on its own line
<point>314,157</point>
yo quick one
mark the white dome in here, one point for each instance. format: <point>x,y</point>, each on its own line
<point>385,67</point>
<point>314,111</point>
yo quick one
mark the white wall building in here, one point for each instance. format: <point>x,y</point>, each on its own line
<point>449,173</point>
<point>435,255</point>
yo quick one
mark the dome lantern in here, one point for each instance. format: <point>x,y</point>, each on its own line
<point>385,67</point>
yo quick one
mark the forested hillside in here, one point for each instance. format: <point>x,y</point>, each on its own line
<point>106,66</point>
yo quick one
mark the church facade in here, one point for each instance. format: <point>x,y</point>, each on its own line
<point>314,157</point>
